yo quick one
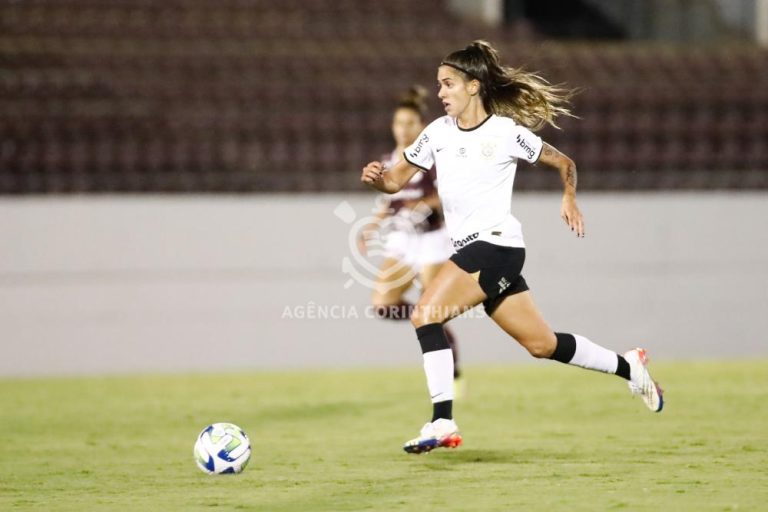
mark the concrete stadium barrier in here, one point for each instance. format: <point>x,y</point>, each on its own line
<point>104,284</point>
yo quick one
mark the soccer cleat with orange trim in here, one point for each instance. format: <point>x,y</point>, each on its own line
<point>641,382</point>
<point>441,433</point>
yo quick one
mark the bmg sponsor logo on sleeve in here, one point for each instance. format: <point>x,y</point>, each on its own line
<point>414,153</point>
<point>526,147</point>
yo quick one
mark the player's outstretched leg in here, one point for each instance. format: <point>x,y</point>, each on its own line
<point>519,317</point>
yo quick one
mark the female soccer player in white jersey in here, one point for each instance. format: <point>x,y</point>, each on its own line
<point>491,110</point>
<point>415,241</point>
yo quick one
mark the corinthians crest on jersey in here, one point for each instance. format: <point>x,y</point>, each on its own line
<point>487,149</point>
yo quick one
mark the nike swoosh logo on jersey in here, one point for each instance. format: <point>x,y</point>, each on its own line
<point>439,150</point>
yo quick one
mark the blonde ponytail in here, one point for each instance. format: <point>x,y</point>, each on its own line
<point>521,95</point>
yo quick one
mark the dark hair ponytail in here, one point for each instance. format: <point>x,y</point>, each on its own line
<point>524,96</point>
<point>415,98</point>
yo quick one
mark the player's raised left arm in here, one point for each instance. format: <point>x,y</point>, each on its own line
<point>569,211</point>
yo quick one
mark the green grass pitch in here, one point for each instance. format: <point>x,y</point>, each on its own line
<point>536,437</point>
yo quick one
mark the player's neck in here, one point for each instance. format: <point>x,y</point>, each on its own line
<point>472,116</point>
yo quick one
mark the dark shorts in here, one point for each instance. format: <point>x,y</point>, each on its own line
<point>500,270</point>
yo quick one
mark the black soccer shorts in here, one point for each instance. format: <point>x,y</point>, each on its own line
<point>500,270</point>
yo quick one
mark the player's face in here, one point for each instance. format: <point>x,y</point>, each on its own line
<point>406,126</point>
<point>452,91</point>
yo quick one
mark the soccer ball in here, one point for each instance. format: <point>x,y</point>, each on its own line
<point>222,448</point>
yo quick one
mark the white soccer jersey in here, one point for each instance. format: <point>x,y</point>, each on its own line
<point>476,171</point>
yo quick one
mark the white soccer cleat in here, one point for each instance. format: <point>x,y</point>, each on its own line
<point>440,433</point>
<point>641,383</point>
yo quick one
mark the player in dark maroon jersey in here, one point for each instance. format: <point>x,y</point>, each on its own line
<point>409,224</point>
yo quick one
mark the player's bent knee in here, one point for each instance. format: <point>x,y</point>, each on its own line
<point>540,349</point>
<point>417,318</point>
<point>424,315</point>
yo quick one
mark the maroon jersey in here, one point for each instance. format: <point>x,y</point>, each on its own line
<point>422,184</point>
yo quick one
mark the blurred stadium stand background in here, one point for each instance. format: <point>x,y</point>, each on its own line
<point>255,95</point>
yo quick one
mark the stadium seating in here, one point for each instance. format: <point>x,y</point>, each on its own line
<point>252,95</point>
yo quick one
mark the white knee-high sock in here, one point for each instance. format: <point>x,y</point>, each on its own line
<point>579,351</point>
<point>593,356</point>
<point>438,361</point>
<point>438,366</point>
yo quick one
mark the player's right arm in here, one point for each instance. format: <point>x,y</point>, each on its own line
<point>390,180</point>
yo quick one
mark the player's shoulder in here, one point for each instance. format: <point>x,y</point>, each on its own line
<point>498,126</point>
<point>441,123</point>
<point>510,128</point>
<point>503,124</point>
<point>503,121</point>
<point>434,131</point>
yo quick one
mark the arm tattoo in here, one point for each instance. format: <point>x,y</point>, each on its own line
<point>570,176</point>
<point>556,159</point>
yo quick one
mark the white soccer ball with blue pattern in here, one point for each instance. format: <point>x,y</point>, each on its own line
<point>222,448</point>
